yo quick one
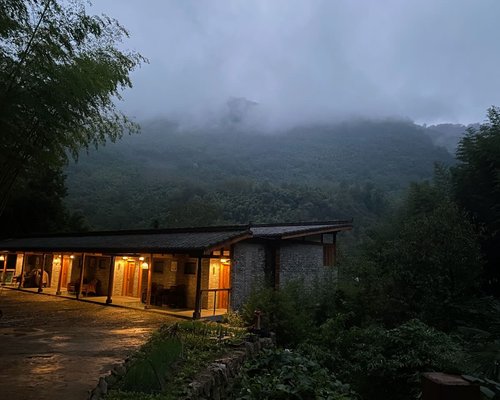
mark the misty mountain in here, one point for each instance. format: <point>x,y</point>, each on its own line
<point>170,175</point>
<point>448,135</point>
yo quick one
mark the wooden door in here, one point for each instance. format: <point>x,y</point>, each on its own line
<point>224,282</point>
<point>129,280</point>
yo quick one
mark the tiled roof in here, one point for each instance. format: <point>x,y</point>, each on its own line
<point>283,230</point>
<point>149,241</point>
<point>167,240</point>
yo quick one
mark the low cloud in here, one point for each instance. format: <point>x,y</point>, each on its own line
<point>311,60</point>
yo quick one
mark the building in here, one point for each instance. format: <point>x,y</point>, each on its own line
<point>194,272</point>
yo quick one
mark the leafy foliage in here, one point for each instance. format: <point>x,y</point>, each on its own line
<point>476,179</point>
<point>421,264</point>
<point>36,205</point>
<point>383,363</point>
<point>149,370</point>
<point>285,374</point>
<point>60,70</point>
<point>172,357</point>
<point>377,362</point>
<point>174,176</point>
<point>292,312</point>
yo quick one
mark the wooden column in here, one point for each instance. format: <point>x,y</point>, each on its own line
<point>150,281</point>
<point>21,279</point>
<point>59,280</point>
<point>277,266</point>
<point>334,248</point>
<point>42,270</point>
<point>4,273</point>
<point>82,269</point>
<point>197,302</point>
<point>111,280</point>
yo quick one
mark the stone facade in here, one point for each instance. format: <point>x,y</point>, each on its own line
<point>304,262</point>
<point>254,266</point>
<point>248,271</point>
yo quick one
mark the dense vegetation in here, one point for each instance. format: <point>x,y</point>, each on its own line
<point>414,299</point>
<point>171,176</point>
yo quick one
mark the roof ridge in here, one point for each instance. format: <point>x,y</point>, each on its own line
<point>214,228</point>
<point>124,232</point>
<point>305,223</point>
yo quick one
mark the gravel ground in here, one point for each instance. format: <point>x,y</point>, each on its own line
<point>54,348</point>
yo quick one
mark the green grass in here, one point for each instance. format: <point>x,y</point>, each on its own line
<point>175,354</point>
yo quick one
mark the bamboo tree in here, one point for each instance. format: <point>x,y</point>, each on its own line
<point>61,71</point>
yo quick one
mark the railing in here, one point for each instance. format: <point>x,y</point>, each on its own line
<point>215,291</point>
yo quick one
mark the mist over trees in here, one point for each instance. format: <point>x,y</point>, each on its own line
<point>175,177</point>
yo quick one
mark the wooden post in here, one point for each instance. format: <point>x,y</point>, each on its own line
<point>59,280</point>
<point>4,273</point>
<point>334,248</point>
<point>42,270</point>
<point>82,269</point>
<point>277,266</point>
<point>111,280</point>
<point>21,279</point>
<point>150,279</point>
<point>197,301</point>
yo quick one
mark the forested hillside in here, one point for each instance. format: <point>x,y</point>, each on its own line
<point>172,176</point>
<point>448,135</point>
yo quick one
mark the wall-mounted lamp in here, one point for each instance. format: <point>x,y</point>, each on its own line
<point>141,258</point>
<point>2,258</point>
<point>72,256</point>
<point>125,258</point>
<point>144,265</point>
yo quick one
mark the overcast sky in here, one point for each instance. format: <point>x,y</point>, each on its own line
<point>305,61</point>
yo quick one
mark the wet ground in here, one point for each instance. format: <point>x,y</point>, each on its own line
<point>53,348</point>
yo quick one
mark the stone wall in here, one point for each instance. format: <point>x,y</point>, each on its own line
<point>118,277</point>
<point>215,381</point>
<point>56,271</point>
<point>253,267</point>
<point>211,383</point>
<point>248,271</point>
<point>304,262</point>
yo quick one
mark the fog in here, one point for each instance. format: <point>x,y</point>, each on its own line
<point>313,61</point>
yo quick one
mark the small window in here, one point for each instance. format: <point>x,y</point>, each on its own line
<point>158,266</point>
<point>328,255</point>
<point>190,268</point>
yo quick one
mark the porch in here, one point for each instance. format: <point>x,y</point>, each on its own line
<point>172,284</point>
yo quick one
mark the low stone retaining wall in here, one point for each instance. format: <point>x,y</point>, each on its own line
<point>106,382</point>
<point>212,383</point>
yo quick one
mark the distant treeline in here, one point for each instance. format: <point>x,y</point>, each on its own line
<point>169,176</point>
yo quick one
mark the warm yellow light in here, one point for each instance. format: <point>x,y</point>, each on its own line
<point>141,258</point>
<point>125,257</point>
<point>224,260</point>
<point>144,265</point>
<point>71,256</point>
<point>2,258</point>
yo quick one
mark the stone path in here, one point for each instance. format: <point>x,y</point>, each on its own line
<point>53,348</point>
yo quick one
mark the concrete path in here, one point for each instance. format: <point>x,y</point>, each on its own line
<point>53,348</point>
